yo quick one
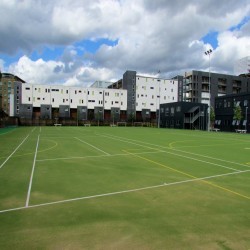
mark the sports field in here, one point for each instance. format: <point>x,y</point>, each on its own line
<point>123,188</point>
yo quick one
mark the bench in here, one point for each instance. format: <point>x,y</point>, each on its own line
<point>215,129</point>
<point>240,131</point>
<point>57,124</point>
<point>112,125</point>
<point>87,125</point>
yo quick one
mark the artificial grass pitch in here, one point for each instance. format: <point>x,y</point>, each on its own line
<point>123,187</point>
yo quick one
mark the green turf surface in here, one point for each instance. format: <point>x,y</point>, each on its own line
<point>123,188</point>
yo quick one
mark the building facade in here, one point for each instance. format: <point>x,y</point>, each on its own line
<point>184,115</point>
<point>7,86</point>
<point>145,94</point>
<point>198,87</point>
<point>49,101</point>
<point>224,112</point>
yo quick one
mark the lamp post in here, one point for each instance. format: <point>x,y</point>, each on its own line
<point>208,53</point>
<point>159,107</point>
<point>246,120</point>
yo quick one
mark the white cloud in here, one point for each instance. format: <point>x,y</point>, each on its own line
<point>52,72</point>
<point>152,35</point>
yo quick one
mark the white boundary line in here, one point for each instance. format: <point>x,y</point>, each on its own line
<point>183,156</point>
<point>205,156</point>
<point>92,146</point>
<point>98,156</point>
<point>14,151</point>
<point>32,173</point>
<point>124,191</point>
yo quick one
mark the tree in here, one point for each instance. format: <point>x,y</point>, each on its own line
<point>238,114</point>
<point>212,116</point>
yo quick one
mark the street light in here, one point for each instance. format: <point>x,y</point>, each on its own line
<point>246,120</point>
<point>159,114</point>
<point>208,53</point>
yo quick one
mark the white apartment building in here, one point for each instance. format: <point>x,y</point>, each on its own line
<point>145,94</point>
<point>150,92</point>
<point>45,98</point>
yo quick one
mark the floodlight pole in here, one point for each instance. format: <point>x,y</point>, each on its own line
<point>208,53</point>
<point>159,114</point>
<point>246,120</point>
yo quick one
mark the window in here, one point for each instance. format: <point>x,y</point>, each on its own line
<point>178,109</point>
<point>245,103</point>
<point>172,111</point>
<point>27,88</point>
<point>167,112</point>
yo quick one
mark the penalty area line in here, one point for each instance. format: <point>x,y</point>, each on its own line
<point>123,192</point>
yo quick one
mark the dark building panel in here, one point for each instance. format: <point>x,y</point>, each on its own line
<point>184,115</point>
<point>82,112</point>
<point>64,111</point>
<point>46,111</point>
<point>98,113</point>
<point>115,114</point>
<point>129,83</point>
<point>224,112</point>
<point>26,111</point>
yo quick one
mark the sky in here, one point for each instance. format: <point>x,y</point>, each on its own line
<point>78,42</point>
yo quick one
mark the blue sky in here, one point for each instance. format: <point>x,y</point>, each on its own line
<point>100,40</point>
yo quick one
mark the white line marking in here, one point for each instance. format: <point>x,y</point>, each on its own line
<point>14,151</point>
<point>92,146</point>
<point>98,156</point>
<point>32,173</point>
<point>205,156</point>
<point>183,156</point>
<point>33,129</point>
<point>124,191</point>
